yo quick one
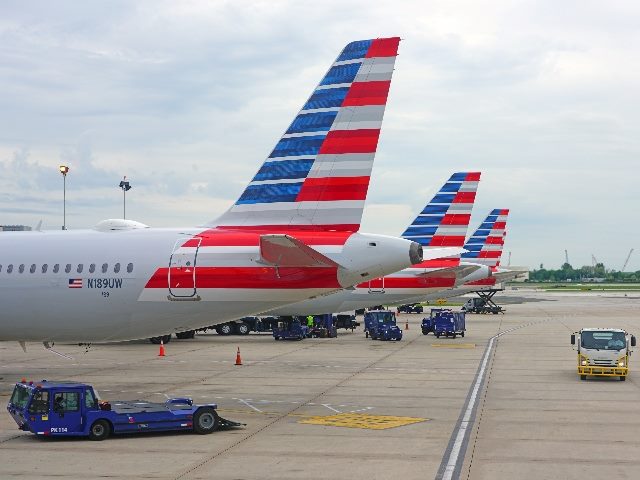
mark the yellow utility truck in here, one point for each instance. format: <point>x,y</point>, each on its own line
<point>603,352</point>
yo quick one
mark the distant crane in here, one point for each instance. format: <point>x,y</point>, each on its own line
<point>509,260</point>
<point>594,260</point>
<point>566,256</point>
<point>627,260</point>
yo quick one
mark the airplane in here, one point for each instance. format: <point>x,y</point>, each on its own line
<point>485,247</point>
<point>292,234</point>
<point>443,222</point>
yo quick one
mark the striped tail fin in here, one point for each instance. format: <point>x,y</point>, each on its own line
<point>445,219</point>
<point>486,244</point>
<point>317,176</point>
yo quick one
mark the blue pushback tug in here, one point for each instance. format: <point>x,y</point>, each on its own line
<point>73,409</point>
<point>381,324</point>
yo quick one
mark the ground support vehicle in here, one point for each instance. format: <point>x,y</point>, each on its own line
<point>323,327</point>
<point>381,324</point>
<point>484,304</point>
<point>411,308</point>
<point>73,409</point>
<point>427,325</point>
<point>603,352</point>
<point>290,328</point>
<point>447,322</point>
<point>345,321</point>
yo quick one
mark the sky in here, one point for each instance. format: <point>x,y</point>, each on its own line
<point>188,98</point>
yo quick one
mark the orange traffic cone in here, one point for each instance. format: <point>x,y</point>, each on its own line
<point>161,352</point>
<point>238,359</point>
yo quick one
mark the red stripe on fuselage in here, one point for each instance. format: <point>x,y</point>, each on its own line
<point>248,277</point>
<point>418,282</point>
<point>250,236</point>
<point>439,263</point>
<point>333,188</point>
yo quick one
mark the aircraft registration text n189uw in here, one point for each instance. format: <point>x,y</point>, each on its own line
<point>293,234</point>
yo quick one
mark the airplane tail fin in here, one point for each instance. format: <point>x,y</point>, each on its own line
<point>486,244</point>
<point>445,219</point>
<point>317,176</point>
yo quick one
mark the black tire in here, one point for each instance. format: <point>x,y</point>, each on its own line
<point>205,421</point>
<point>242,328</point>
<point>462,334</point>
<point>100,430</point>
<point>366,334</point>
<point>622,378</point>
<point>155,340</point>
<point>437,335</point>
<point>583,377</point>
<point>224,329</point>
<point>453,336</point>
<point>277,338</point>
<point>166,338</point>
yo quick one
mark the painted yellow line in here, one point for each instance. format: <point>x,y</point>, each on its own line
<point>361,420</point>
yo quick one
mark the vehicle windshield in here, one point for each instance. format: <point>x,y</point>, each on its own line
<point>20,396</point>
<point>384,317</point>
<point>603,340</point>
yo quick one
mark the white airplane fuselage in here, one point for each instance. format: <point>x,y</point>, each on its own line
<point>53,286</point>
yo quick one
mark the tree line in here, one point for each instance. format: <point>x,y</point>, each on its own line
<point>597,273</point>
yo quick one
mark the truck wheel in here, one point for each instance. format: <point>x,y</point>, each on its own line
<point>462,334</point>
<point>453,336</point>
<point>155,340</point>
<point>242,329</point>
<point>366,334</point>
<point>205,420</point>
<point>622,378</point>
<point>100,430</point>
<point>166,338</point>
<point>583,377</point>
<point>277,338</point>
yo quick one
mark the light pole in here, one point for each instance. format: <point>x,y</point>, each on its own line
<point>64,170</point>
<point>124,185</point>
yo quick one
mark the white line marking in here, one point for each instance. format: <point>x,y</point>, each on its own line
<point>249,405</point>
<point>331,408</point>
<point>457,445</point>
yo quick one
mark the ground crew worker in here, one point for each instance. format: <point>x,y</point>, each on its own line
<point>310,321</point>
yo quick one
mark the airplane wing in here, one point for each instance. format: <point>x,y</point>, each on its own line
<point>287,251</point>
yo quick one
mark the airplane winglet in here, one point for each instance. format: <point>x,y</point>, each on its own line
<point>287,251</point>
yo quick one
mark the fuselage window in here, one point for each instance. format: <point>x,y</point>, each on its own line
<point>33,268</point>
<point>56,268</point>
<point>9,268</point>
<point>79,269</point>
<point>104,267</point>
<point>21,268</point>
<point>129,267</point>
<point>44,267</point>
<point>92,268</point>
<point>116,268</point>
<point>67,268</point>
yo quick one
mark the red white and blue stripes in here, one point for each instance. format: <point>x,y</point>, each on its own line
<point>486,244</point>
<point>317,176</point>
<point>445,220</point>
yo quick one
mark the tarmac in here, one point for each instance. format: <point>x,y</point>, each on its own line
<point>478,407</point>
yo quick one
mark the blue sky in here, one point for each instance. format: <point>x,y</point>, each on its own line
<point>188,98</point>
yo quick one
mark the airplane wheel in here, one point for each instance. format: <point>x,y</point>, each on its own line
<point>583,377</point>
<point>622,378</point>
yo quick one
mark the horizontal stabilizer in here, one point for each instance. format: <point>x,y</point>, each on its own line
<point>440,252</point>
<point>460,271</point>
<point>287,251</point>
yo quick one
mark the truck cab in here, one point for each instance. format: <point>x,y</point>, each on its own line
<point>381,324</point>
<point>603,352</point>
